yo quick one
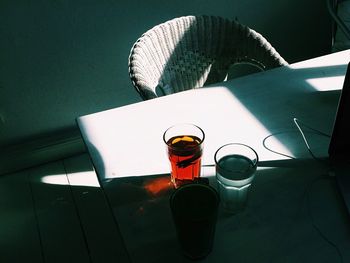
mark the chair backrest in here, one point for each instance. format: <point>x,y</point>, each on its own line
<point>192,51</point>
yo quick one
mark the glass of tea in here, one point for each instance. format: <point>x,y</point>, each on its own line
<point>185,146</point>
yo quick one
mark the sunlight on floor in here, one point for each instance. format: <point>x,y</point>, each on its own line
<point>86,178</point>
<point>59,179</point>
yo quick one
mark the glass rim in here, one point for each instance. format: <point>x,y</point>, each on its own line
<point>237,144</point>
<point>189,124</point>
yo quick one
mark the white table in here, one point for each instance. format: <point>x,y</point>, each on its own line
<point>293,205</point>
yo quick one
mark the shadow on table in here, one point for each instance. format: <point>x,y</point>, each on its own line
<point>292,211</point>
<point>301,97</point>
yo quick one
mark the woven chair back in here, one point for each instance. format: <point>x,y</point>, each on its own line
<point>192,51</point>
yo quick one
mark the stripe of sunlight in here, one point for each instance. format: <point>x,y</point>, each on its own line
<point>86,178</point>
<point>255,132</point>
<point>337,60</point>
<point>323,83</point>
<point>326,83</point>
<point>117,158</point>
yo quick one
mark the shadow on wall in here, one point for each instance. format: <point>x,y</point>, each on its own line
<point>64,59</point>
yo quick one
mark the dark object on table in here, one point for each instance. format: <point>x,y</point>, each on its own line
<point>194,208</point>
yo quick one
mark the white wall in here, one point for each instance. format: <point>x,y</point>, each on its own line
<point>60,59</point>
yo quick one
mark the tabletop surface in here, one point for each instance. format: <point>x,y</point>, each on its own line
<point>294,212</point>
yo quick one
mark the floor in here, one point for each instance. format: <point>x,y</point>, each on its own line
<point>57,212</point>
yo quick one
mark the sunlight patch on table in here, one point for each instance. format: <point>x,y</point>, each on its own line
<point>126,150</point>
<point>325,61</point>
<point>254,133</point>
<point>326,83</point>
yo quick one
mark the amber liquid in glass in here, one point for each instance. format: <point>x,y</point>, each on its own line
<point>185,152</point>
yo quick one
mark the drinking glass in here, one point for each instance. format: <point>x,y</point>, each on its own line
<point>236,165</point>
<point>184,146</point>
<point>194,209</point>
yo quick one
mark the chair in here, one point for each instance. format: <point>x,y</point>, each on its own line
<point>192,51</point>
<point>339,10</point>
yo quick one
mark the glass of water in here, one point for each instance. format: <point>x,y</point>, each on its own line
<point>236,165</point>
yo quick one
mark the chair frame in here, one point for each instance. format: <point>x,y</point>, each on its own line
<point>192,51</point>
